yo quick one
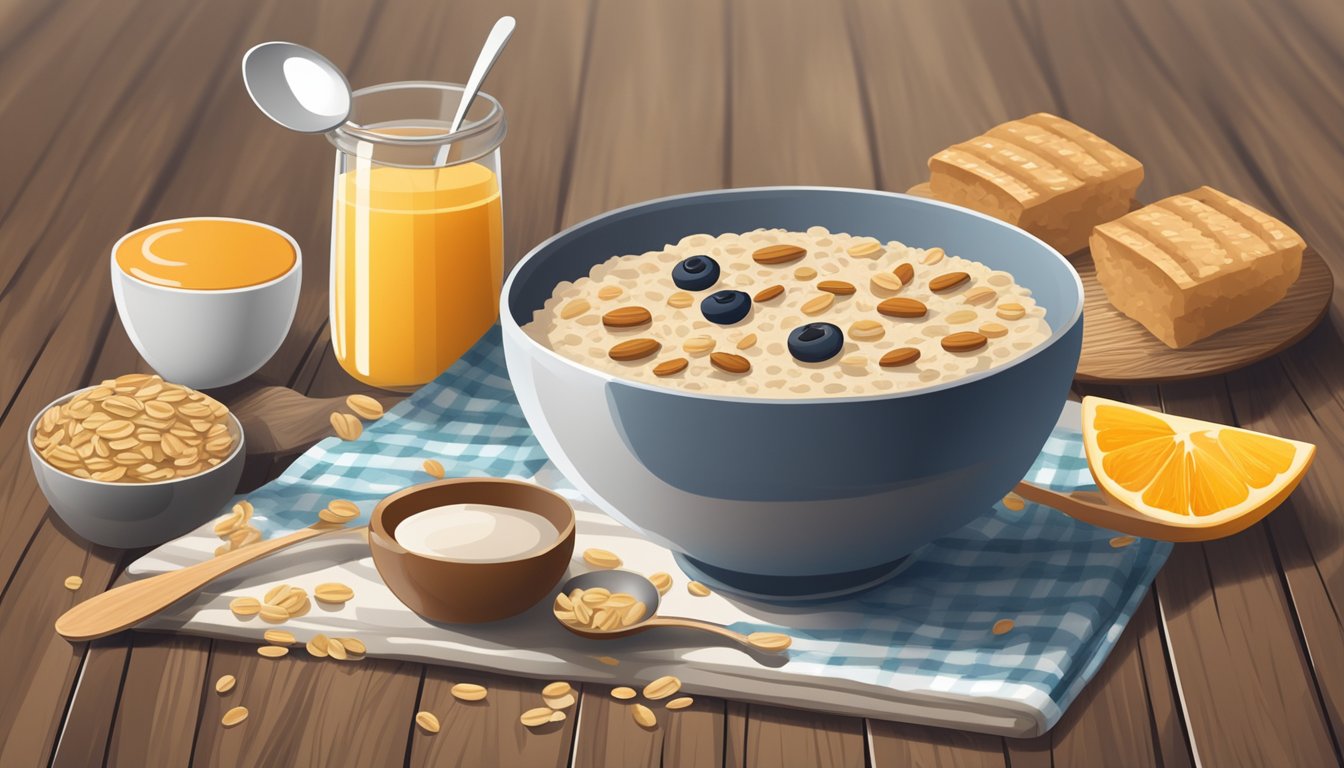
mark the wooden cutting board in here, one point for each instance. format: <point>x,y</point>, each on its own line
<point>1117,350</point>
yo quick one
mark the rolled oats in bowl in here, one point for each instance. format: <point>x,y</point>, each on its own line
<point>136,428</point>
<point>788,315</point>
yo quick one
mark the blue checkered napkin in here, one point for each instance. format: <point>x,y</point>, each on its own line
<point>1068,592</point>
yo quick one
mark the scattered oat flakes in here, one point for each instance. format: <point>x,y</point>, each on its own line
<point>661,581</point>
<point>333,592</point>
<point>559,688</point>
<point>1014,502</point>
<point>1003,626</point>
<point>272,651</point>
<point>244,607</point>
<point>318,646</point>
<point>225,684</point>
<point>697,589</point>
<point>601,558</point>
<point>347,425</point>
<point>662,688</point>
<point>537,716</point>
<point>1122,541</point>
<point>557,716</point>
<point>608,660</point>
<point>433,468</point>
<point>644,716</point>
<point>681,702</point>
<point>365,407</point>
<point>624,693</point>
<point>278,637</point>
<point>427,721</point>
<point>469,692</point>
<point>234,716</point>
<point>73,583</point>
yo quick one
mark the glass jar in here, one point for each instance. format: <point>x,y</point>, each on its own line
<point>416,233</point>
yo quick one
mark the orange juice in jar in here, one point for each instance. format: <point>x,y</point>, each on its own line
<point>417,246</point>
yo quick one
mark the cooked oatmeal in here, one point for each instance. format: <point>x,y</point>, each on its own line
<point>779,314</point>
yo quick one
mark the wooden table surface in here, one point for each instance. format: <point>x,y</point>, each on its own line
<point>115,114</point>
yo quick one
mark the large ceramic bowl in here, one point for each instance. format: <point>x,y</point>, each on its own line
<point>794,497</point>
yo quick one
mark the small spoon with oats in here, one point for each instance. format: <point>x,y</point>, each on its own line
<point>604,605</point>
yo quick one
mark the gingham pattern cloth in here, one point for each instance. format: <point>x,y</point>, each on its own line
<point>1067,590</point>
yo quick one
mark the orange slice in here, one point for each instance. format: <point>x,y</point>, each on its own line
<point>1187,480</point>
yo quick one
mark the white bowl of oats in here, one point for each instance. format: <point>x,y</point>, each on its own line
<point>794,388</point>
<point>136,461</point>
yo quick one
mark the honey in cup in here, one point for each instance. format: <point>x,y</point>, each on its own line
<point>206,254</point>
<point>417,262</point>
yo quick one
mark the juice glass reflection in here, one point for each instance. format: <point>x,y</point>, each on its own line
<point>416,242</point>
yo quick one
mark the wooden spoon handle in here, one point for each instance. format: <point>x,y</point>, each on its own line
<point>129,604</point>
<point>703,626</point>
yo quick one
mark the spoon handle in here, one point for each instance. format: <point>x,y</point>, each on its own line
<point>703,626</point>
<point>494,44</point>
<point>129,604</point>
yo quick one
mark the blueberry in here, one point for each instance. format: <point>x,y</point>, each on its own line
<point>695,273</point>
<point>725,307</point>
<point>815,342</point>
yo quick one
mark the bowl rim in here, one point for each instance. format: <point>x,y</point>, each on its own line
<point>296,267</point>
<point>512,326</point>
<point>37,456</point>
<point>378,531</point>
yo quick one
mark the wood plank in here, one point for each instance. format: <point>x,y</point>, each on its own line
<point>47,74</point>
<point>1168,721</point>
<point>93,705</point>
<point>901,744</point>
<point>790,737</point>
<point>42,672</point>
<point>609,735</point>
<point>475,732</point>
<point>160,700</point>
<point>1306,404</point>
<point>797,112</point>
<point>990,75</point>
<point>349,713</point>
<point>1243,674</point>
<point>643,89</point>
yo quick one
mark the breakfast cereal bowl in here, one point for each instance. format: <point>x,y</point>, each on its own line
<point>794,496</point>
<point>131,515</point>
<point>471,590</point>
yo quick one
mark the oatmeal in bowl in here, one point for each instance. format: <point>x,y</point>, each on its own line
<point>780,314</point>
<point>778,455</point>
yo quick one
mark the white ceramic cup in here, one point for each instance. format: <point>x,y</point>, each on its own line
<point>207,338</point>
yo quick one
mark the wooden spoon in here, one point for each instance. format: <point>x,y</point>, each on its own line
<point>130,604</point>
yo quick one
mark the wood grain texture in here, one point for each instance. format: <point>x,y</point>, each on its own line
<point>790,737</point>
<point>1244,675</point>
<point>115,114</point>
<point>470,730</point>
<point>306,711</point>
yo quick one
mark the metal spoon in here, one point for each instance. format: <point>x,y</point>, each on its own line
<point>494,45</point>
<point>645,592</point>
<point>296,87</point>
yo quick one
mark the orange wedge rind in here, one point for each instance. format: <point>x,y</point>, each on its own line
<point>1187,480</point>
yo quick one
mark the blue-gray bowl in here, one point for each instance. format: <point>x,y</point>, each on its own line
<point>794,491</point>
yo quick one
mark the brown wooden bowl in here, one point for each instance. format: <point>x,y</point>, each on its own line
<point>459,592</point>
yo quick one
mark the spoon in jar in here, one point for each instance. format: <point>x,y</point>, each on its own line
<point>494,45</point>
<point>296,87</point>
<point>639,591</point>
